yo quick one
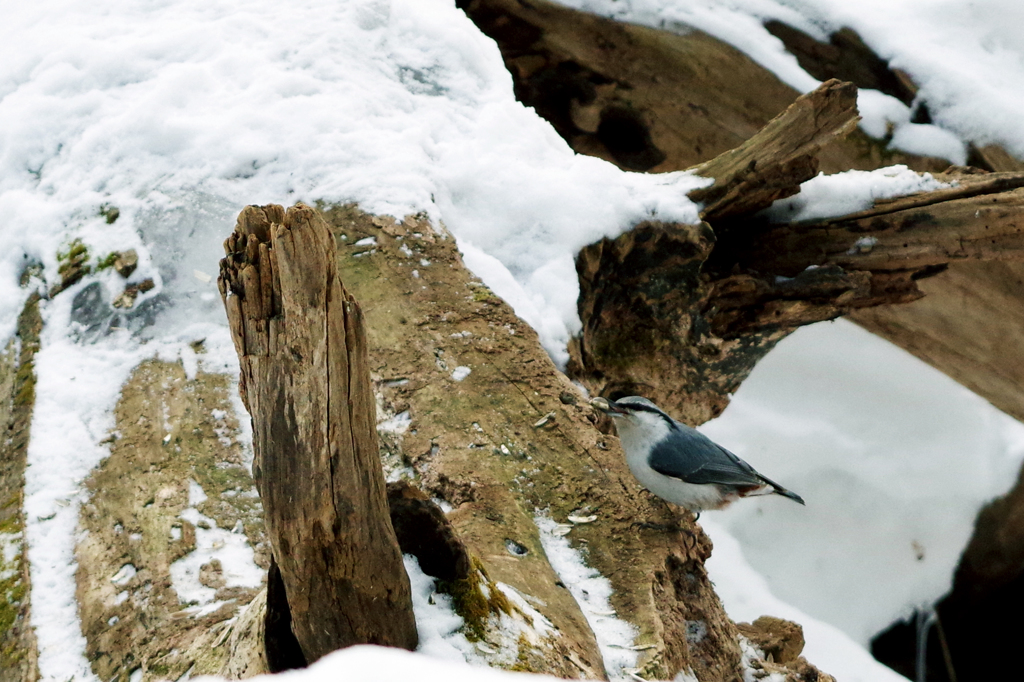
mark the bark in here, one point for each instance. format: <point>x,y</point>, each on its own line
<point>305,381</point>
<point>771,164</point>
<point>653,100</point>
<point>682,314</point>
<point>479,445</point>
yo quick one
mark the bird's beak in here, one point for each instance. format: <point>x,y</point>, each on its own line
<point>608,408</point>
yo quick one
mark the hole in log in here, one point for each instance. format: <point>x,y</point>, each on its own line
<point>515,548</point>
<point>625,135</point>
<point>929,271</point>
<point>279,642</point>
<point>423,531</point>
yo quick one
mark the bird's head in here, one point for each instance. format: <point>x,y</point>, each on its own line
<point>630,406</point>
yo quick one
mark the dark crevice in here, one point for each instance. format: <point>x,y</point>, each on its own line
<point>847,58</point>
<point>279,642</point>
<point>627,138</point>
<point>423,531</point>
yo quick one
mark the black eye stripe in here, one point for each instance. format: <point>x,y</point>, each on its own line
<point>640,407</point>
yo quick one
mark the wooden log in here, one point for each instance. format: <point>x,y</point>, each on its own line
<point>772,164</point>
<point>479,445</point>
<point>981,217</point>
<point>305,381</point>
<point>648,99</point>
<point>686,333</point>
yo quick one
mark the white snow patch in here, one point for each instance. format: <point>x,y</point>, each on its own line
<point>826,196</point>
<point>380,664</point>
<point>747,596</point>
<point>891,455</point>
<point>460,373</point>
<point>439,627</point>
<point>124,575</point>
<point>196,494</point>
<point>880,114</point>
<point>930,140</point>
<point>541,625</point>
<point>236,557</point>
<point>593,593</point>
<point>10,550</point>
<point>398,424</point>
<point>750,655</point>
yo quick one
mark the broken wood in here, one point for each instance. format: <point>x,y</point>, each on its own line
<point>475,443</point>
<point>650,99</point>
<point>681,314</point>
<point>980,217</point>
<point>305,381</point>
<point>772,164</point>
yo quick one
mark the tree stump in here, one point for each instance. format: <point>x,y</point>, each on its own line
<point>306,383</point>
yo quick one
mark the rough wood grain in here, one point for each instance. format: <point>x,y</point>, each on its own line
<point>772,164</point>
<point>305,381</point>
<point>980,218</point>
<point>475,443</point>
<point>651,99</point>
<point>686,331</point>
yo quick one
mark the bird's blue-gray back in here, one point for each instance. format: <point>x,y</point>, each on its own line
<point>693,457</point>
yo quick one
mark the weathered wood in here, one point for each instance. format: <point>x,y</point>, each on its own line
<point>648,99</point>
<point>18,648</point>
<point>982,218</point>
<point>166,441</point>
<point>772,164</point>
<point>515,439</point>
<point>686,332</point>
<point>305,381</point>
<point>474,443</point>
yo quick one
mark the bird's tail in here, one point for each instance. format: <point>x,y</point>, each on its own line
<point>788,493</point>
<point>779,490</point>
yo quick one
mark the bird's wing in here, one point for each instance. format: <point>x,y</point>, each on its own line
<point>694,458</point>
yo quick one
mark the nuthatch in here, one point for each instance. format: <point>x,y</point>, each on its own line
<point>680,464</point>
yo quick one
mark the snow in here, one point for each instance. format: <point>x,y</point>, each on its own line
<point>377,664</point>
<point>403,106</point>
<point>966,58</point>
<point>826,196</point>
<point>892,456</point>
<point>746,596</point>
<point>592,591</point>
<point>228,547</point>
<point>436,621</point>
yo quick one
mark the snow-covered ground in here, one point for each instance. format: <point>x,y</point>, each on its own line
<point>178,113</point>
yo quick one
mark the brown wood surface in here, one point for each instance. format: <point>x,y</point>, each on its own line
<point>305,381</point>
<point>772,163</point>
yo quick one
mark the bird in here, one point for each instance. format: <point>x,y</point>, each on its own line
<point>678,463</point>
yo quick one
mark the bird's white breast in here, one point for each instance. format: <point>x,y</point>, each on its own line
<point>638,434</point>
